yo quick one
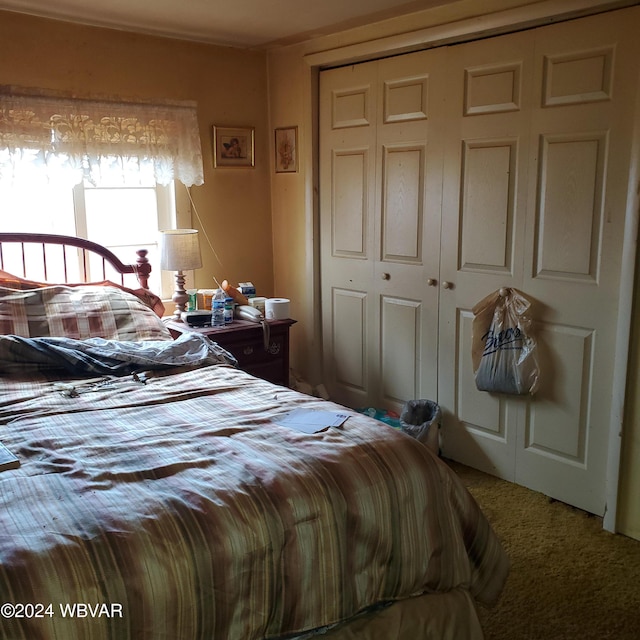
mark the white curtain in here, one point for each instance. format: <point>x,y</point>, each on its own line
<point>53,138</point>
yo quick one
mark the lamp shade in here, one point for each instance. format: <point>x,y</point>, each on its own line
<point>180,250</point>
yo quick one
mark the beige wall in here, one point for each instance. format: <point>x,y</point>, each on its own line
<point>292,102</point>
<point>229,86</point>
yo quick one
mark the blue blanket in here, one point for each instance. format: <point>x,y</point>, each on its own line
<point>108,357</point>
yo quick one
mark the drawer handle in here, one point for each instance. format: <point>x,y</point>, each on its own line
<point>247,351</point>
<point>274,348</point>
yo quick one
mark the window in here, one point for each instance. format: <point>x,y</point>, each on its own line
<point>50,141</point>
<point>121,218</point>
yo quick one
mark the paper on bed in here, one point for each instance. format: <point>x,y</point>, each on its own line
<point>7,459</point>
<point>311,421</point>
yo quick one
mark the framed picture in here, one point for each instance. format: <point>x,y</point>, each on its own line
<point>233,147</point>
<point>286,149</point>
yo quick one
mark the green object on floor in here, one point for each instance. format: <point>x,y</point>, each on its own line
<point>388,417</point>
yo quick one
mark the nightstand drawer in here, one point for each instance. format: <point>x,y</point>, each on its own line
<point>245,341</point>
<point>254,352</point>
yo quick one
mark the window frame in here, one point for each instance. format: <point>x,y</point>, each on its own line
<point>173,210</point>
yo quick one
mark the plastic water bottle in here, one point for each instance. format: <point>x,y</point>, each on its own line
<point>217,308</point>
<point>228,310</point>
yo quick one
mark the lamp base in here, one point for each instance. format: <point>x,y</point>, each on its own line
<point>180,297</point>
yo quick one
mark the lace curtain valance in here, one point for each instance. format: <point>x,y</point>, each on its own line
<point>73,139</point>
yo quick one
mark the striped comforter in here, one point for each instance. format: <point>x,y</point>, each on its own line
<point>180,509</point>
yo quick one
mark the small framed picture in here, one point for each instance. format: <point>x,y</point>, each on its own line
<point>286,149</point>
<point>233,147</point>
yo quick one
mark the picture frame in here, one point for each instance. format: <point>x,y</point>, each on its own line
<point>233,146</point>
<point>286,149</point>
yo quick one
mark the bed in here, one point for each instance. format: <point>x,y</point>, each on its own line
<point>162,495</point>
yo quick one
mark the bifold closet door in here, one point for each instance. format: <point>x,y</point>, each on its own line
<point>535,197</point>
<point>586,76</point>
<point>450,173</point>
<point>484,211</point>
<point>381,182</point>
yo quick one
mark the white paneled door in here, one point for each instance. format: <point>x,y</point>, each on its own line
<point>449,173</point>
<point>381,166</point>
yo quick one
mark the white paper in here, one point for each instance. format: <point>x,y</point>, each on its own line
<point>311,421</point>
<point>7,459</point>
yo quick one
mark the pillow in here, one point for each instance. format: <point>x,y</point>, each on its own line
<point>80,312</point>
<point>150,299</point>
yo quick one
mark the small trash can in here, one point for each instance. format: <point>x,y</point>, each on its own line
<point>422,419</point>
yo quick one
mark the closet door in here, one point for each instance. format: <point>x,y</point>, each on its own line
<point>586,83</point>
<point>484,219</point>
<point>539,194</point>
<point>348,122</point>
<point>448,174</point>
<point>381,180</point>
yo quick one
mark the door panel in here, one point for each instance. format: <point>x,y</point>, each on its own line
<point>406,99</point>
<point>487,205</point>
<point>353,107</point>
<point>349,218</point>
<point>578,77</point>
<point>402,197</point>
<point>348,119</point>
<point>492,88</point>
<point>382,183</point>
<point>581,124</point>
<point>479,428</point>
<point>399,342</point>
<point>558,419</point>
<point>407,235</point>
<point>349,344</point>
<point>569,216</point>
<point>485,185</point>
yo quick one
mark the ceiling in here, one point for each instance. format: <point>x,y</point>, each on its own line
<point>239,23</point>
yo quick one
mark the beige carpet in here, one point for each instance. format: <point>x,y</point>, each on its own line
<point>569,578</point>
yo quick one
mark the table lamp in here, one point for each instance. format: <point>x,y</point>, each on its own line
<point>180,251</point>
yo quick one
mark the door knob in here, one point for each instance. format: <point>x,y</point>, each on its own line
<point>447,285</point>
<point>431,282</point>
<point>386,276</point>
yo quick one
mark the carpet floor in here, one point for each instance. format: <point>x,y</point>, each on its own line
<point>569,578</point>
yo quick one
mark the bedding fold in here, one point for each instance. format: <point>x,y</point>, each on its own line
<point>109,357</point>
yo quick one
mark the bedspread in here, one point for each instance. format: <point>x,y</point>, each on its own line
<point>184,510</point>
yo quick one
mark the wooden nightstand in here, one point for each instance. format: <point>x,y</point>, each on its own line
<point>245,341</point>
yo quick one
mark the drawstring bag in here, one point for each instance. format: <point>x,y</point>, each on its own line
<point>504,350</point>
